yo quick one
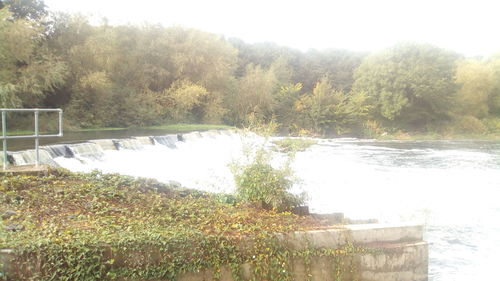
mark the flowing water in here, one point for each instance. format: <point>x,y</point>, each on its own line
<point>452,187</point>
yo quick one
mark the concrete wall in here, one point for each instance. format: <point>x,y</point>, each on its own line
<point>401,255</point>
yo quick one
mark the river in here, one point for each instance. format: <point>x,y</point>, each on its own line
<point>452,187</point>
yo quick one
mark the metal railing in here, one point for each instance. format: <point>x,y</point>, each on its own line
<point>36,136</point>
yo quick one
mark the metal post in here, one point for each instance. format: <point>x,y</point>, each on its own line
<point>36,139</point>
<point>60,123</point>
<point>4,134</point>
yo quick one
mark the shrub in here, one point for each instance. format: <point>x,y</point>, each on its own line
<point>493,125</point>
<point>373,129</point>
<point>469,125</point>
<point>268,187</point>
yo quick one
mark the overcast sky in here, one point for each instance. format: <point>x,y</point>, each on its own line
<point>469,27</point>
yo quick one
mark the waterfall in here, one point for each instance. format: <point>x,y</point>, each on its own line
<point>88,150</point>
<point>136,143</point>
<point>210,133</point>
<point>28,157</point>
<point>105,144</point>
<point>168,140</point>
<point>9,158</point>
<point>100,152</point>
<point>191,136</point>
<point>58,150</point>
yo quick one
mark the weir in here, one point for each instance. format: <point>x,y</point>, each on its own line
<point>168,140</point>
<point>94,149</point>
<point>58,150</point>
<point>28,157</point>
<point>106,144</point>
<point>89,150</point>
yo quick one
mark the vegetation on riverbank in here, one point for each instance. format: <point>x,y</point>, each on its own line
<point>190,127</point>
<point>292,145</point>
<point>72,221</point>
<point>148,75</point>
<point>178,128</point>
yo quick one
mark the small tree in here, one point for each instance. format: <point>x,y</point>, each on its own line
<point>258,182</point>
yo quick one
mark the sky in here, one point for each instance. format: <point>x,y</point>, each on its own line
<point>468,27</point>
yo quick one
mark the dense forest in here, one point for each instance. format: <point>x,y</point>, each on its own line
<point>140,75</point>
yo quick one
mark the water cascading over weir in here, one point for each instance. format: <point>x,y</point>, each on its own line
<point>94,149</point>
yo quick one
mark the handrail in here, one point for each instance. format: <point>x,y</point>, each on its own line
<point>36,136</point>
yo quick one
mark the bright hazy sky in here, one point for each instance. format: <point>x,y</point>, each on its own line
<point>469,27</point>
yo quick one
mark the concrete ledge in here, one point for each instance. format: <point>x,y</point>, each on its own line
<point>191,136</point>
<point>144,140</point>
<point>30,170</point>
<point>105,144</point>
<point>357,234</point>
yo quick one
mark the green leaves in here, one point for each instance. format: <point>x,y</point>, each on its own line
<point>102,226</point>
<point>411,85</point>
<point>27,68</point>
<point>260,183</point>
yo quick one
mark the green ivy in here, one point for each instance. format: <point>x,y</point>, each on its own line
<point>110,227</point>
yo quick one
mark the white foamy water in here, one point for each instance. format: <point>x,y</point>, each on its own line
<point>451,187</point>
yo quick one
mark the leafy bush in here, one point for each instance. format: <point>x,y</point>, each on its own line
<point>268,187</point>
<point>469,125</point>
<point>493,125</point>
<point>373,129</point>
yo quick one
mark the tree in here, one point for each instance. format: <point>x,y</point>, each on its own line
<point>92,100</point>
<point>254,95</point>
<point>26,9</point>
<point>285,105</point>
<point>27,68</point>
<point>339,65</point>
<point>494,99</point>
<point>186,101</point>
<point>410,85</point>
<point>476,83</point>
<point>330,111</point>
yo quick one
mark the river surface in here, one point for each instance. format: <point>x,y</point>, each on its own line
<point>452,187</point>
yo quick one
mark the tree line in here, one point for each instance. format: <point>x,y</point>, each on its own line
<point>140,75</point>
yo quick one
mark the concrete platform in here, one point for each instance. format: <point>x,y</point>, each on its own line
<point>26,170</point>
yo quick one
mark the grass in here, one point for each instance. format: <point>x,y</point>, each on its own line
<point>190,127</point>
<point>28,132</point>
<point>97,129</point>
<point>169,127</point>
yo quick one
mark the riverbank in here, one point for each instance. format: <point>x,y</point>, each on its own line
<point>169,127</point>
<point>67,226</point>
<point>69,215</point>
<point>436,136</point>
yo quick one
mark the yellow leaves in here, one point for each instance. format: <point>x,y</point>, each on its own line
<point>476,81</point>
